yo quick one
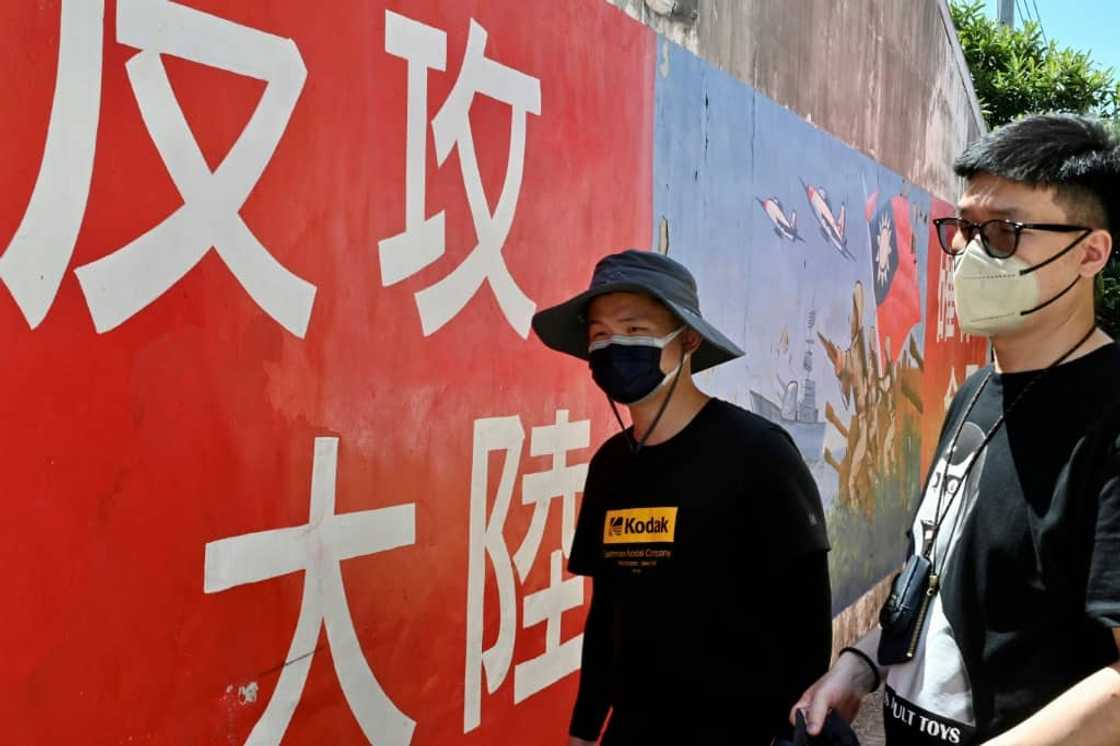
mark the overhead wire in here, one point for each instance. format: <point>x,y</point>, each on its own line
<point>1038,20</point>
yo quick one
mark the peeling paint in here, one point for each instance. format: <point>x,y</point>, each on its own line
<point>677,30</point>
<point>247,695</point>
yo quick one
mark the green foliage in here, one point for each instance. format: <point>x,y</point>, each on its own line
<point>1108,282</point>
<point>1108,298</point>
<point>1015,72</point>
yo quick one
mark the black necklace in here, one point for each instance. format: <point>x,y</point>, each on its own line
<point>931,529</point>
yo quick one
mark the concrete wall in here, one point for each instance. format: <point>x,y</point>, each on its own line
<point>884,76</point>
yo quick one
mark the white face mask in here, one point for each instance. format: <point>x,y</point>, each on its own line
<point>626,341</point>
<point>996,296</point>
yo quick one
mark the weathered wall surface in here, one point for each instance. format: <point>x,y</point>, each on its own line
<point>281,458</point>
<point>884,77</point>
<point>821,264</point>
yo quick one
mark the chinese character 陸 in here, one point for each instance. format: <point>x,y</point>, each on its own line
<point>487,542</point>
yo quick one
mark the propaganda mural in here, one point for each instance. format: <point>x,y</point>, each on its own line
<point>817,261</point>
<point>283,461</point>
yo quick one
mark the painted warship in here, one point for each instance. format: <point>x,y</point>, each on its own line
<point>797,412</point>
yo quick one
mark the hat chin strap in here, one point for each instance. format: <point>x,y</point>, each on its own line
<point>636,445</point>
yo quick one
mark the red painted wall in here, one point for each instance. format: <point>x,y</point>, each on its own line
<point>951,355</point>
<point>137,434</point>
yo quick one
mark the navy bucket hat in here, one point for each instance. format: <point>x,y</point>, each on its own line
<point>564,327</point>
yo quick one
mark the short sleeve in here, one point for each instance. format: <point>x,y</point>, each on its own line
<point>585,554</point>
<point>1079,536</point>
<point>1102,597</point>
<point>787,501</point>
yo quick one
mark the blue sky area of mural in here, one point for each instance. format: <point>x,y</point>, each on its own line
<point>719,148</point>
<point>750,196</point>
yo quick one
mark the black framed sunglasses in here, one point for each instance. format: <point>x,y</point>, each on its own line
<point>998,237</point>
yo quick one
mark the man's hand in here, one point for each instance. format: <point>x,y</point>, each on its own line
<point>573,741</point>
<point>841,690</point>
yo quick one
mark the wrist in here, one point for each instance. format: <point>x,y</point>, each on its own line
<point>861,670</point>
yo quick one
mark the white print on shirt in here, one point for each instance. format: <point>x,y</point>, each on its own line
<point>906,716</point>
<point>936,679</point>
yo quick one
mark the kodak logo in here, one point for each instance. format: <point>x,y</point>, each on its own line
<point>648,526</point>
<point>640,525</point>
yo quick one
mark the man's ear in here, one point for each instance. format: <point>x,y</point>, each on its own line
<point>1098,249</point>
<point>692,340</point>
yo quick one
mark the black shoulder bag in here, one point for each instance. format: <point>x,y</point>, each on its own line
<point>913,589</point>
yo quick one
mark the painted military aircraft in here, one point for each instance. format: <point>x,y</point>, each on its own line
<point>832,226</point>
<point>784,226</point>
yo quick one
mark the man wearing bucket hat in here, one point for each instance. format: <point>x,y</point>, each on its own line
<point>700,527</point>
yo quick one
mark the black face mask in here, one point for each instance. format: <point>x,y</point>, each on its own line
<point>628,369</point>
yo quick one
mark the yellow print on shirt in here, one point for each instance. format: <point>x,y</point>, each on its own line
<point>640,525</point>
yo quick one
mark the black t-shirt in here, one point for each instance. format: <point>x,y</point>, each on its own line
<point>1031,590</point>
<point>708,556</point>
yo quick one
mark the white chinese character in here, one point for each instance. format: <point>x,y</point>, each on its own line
<point>951,388</point>
<point>486,541</point>
<point>36,259</point>
<point>946,303</point>
<point>121,284</point>
<point>422,241</point>
<point>558,659</point>
<point>317,548</point>
<point>561,481</point>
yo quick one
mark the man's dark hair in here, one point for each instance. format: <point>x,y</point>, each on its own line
<point>1078,157</point>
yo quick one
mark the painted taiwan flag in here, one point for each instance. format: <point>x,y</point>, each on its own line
<point>894,272</point>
